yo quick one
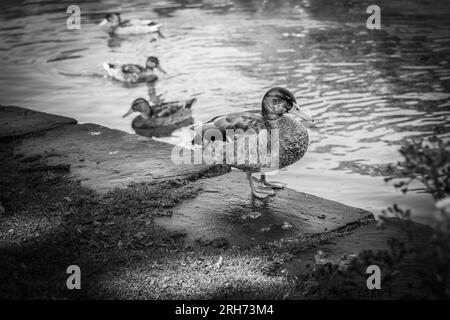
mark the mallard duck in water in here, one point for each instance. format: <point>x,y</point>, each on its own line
<point>114,25</point>
<point>162,118</point>
<point>133,73</point>
<point>277,106</point>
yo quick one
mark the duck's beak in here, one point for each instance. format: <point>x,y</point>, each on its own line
<point>104,21</point>
<point>300,113</point>
<point>161,69</point>
<point>160,34</point>
<point>128,113</point>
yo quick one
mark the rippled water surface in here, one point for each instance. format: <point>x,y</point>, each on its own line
<point>369,90</point>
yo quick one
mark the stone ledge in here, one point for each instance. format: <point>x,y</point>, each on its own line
<point>225,209</point>
<point>17,121</point>
<point>368,237</point>
<point>103,158</point>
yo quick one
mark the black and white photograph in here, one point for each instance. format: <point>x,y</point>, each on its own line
<point>226,156</point>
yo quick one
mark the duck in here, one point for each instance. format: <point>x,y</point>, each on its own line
<point>133,73</point>
<point>279,110</point>
<point>114,25</point>
<point>160,119</point>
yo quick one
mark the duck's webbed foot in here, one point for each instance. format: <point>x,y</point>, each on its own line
<point>273,184</point>
<point>262,194</point>
<point>259,192</point>
<point>262,191</point>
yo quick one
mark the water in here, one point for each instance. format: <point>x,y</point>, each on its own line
<point>368,90</point>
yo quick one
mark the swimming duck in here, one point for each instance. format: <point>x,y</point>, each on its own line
<point>160,119</point>
<point>277,106</point>
<point>133,73</point>
<point>114,25</point>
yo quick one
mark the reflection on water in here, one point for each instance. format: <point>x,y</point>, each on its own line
<point>369,89</point>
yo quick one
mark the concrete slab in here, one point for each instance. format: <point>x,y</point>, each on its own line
<point>17,121</point>
<point>103,158</point>
<point>225,208</point>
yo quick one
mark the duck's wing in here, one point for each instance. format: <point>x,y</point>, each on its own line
<point>168,108</point>
<point>246,120</point>
<point>143,22</point>
<point>132,68</point>
<point>126,23</point>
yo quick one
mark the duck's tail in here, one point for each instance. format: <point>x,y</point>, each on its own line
<point>113,70</point>
<point>109,66</point>
<point>190,102</point>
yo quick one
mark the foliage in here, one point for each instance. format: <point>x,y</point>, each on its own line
<point>427,260</point>
<point>427,162</point>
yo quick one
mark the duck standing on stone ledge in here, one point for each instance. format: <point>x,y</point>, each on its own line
<point>277,106</point>
<point>134,73</point>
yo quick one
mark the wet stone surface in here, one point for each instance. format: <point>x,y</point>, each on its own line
<point>225,209</point>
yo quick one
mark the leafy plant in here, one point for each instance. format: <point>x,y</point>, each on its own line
<point>426,162</point>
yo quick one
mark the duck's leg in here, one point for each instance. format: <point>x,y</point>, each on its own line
<point>273,185</point>
<point>258,194</point>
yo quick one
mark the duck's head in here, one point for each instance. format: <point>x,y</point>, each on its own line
<point>111,19</point>
<point>279,101</point>
<point>152,63</point>
<point>142,106</point>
